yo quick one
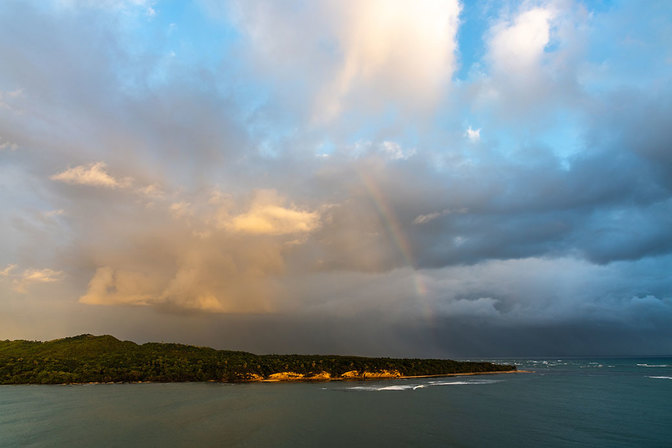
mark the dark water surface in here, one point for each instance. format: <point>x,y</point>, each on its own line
<point>565,403</point>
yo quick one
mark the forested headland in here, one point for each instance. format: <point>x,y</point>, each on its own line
<point>87,358</point>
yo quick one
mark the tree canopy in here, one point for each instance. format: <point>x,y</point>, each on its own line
<point>87,358</point>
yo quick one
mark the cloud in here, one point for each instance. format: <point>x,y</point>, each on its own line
<point>207,258</point>
<point>93,174</point>
<point>401,51</point>
<point>481,307</point>
<point>52,213</point>
<point>388,149</point>
<point>533,64</point>
<point>394,151</point>
<point>110,287</point>
<point>8,145</point>
<point>22,281</point>
<point>152,191</point>
<point>45,275</point>
<point>516,47</point>
<point>180,209</point>
<point>267,216</point>
<point>112,5</point>
<point>356,56</point>
<point>423,219</point>
<point>193,277</point>
<point>7,97</point>
<point>473,135</point>
<point>7,271</point>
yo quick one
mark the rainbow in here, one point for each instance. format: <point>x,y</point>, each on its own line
<point>395,234</point>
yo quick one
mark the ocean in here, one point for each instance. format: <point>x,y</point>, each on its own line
<point>564,403</point>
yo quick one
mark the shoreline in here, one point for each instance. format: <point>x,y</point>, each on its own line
<point>370,378</point>
<point>319,379</point>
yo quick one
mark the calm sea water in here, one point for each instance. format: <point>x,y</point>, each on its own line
<point>566,403</point>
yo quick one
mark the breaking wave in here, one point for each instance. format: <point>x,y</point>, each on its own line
<point>401,387</point>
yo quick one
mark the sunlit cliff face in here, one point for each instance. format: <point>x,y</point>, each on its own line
<point>435,175</point>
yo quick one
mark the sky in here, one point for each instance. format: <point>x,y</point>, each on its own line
<point>425,178</point>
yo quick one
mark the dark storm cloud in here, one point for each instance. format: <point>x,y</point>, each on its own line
<point>608,203</point>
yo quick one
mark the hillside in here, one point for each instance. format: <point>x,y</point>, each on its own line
<point>87,358</point>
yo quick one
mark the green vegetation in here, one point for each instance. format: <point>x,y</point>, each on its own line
<point>87,358</point>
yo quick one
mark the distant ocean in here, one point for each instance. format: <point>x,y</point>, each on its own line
<point>565,403</point>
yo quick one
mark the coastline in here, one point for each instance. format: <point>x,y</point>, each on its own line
<point>89,359</point>
<point>379,377</point>
<point>283,378</point>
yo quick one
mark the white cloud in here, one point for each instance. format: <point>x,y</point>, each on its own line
<point>401,51</point>
<point>394,151</point>
<point>423,219</point>
<point>532,61</point>
<point>390,150</point>
<point>356,55</point>
<point>473,135</point>
<point>516,47</point>
<point>93,174</point>
<point>52,213</point>
<point>113,5</point>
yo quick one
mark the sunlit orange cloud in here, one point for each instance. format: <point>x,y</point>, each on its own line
<point>93,174</point>
<point>214,260</point>
<point>20,281</point>
<point>267,216</point>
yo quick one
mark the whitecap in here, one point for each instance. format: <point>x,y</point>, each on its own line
<point>401,387</point>
<point>382,388</point>
<point>661,377</point>
<point>396,388</point>
<point>653,365</point>
<point>463,383</point>
<point>362,388</point>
